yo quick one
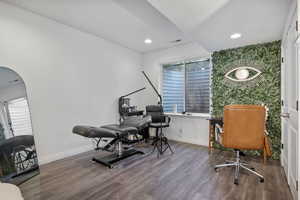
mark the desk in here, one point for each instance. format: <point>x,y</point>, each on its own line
<point>212,127</point>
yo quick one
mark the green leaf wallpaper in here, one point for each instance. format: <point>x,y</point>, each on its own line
<point>265,89</point>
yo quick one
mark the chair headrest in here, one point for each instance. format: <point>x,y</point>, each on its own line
<point>154,108</point>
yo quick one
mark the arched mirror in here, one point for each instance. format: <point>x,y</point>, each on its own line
<point>18,158</point>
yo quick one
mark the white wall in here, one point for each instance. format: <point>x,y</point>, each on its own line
<point>71,78</point>
<point>189,129</point>
<point>12,92</point>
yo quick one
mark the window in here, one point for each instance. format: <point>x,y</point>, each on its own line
<point>19,117</point>
<point>186,87</point>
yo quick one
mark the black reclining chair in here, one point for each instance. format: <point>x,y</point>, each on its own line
<point>159,121</point>
<point>117,134</point>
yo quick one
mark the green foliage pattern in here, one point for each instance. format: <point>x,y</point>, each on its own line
<point>265,91</point>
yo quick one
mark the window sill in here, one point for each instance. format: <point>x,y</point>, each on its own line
<point>192,115</point>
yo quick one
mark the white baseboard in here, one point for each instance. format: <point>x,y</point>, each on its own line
<point>202,142</point>
<point>65,154</point>
<point>190,141</point>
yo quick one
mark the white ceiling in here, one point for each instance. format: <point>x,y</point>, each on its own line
<point>257,20</point>
<point>188,14</point>
<point>130,22</point>
<point>126,22</point>
<point>8,78</point>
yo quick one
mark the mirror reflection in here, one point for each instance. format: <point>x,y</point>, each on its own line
<point>18,158</point>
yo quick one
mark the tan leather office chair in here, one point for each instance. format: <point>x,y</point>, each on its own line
<point>244,128</point>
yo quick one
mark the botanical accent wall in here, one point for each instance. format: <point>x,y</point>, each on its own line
<point>265,90</point>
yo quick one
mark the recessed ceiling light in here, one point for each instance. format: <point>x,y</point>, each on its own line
<point>148,41</point>
<point>235,36</point>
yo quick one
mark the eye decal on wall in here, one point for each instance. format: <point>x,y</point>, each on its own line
<point>241,74</point>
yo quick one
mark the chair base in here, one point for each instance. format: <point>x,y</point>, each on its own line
<point>109,160</point>
<point>239,165</point>
<point>161,143</point>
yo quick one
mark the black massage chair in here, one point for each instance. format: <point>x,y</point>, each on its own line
<point>114,136</point>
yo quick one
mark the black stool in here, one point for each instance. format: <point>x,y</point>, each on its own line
<point>159,121</point>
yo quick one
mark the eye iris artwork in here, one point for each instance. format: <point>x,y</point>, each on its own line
<point>242,74</point>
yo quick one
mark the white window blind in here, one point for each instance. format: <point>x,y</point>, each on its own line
<point>186,86</point>
<point>20,117</point>
<point>197,87</point>
<point>173,87</point>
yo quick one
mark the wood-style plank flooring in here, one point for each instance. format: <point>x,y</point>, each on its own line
<point>188,174</point>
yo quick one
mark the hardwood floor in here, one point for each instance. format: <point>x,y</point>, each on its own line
<point>186,175</point>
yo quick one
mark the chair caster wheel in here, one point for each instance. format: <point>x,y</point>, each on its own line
<point>262,180</point>
<point>236,182</point>
<point>216,169</point>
